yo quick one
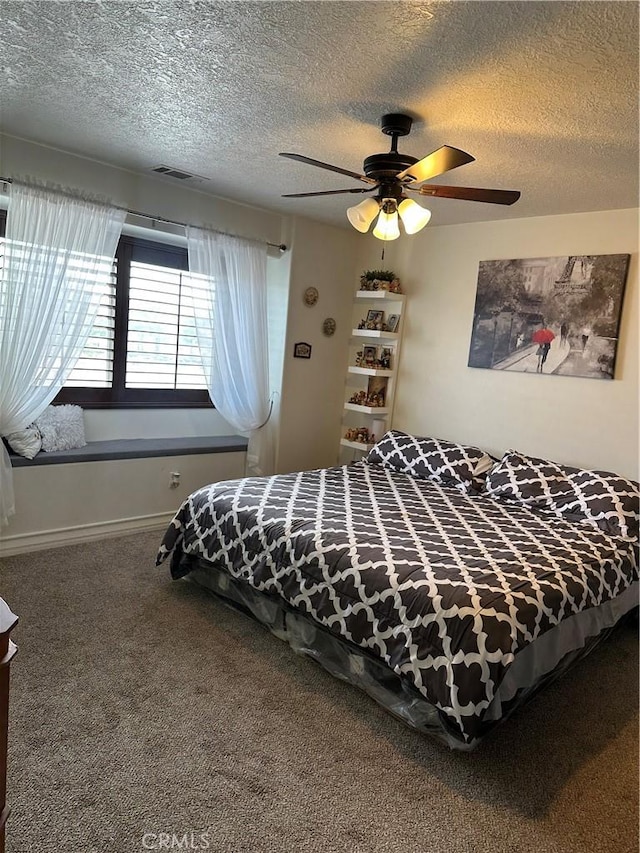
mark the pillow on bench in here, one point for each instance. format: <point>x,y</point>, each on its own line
<point>25,442</point>
<point>61,427</point>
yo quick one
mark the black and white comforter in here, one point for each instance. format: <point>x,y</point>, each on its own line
<point>446,588</point>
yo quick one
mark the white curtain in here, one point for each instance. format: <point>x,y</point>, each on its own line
<point>58,255</point>
<point>229,289</point>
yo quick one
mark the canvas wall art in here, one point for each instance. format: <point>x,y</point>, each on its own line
<point>557,316</point>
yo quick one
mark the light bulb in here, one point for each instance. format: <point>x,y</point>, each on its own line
<point>362,215</point>
<point>414,217</point>
<point>387,224</point>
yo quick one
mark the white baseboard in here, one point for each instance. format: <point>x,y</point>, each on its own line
<point>23,543</point>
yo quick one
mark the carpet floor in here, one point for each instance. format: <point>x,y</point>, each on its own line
<point>146,715</point>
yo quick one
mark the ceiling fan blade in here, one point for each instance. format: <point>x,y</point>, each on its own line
<point>330,192</point>
<point>328,166</point>
<point>471,194</point>
<point>442,160</point>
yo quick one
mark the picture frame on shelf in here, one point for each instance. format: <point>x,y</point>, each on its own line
<point>375,319</point>
<point>393,321</point>
<point>377,391</point>
<point>369,356</point>
<point>385,360</point>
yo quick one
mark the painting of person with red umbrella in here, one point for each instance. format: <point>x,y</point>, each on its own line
<point>557,316</point>
<point>543,337</point>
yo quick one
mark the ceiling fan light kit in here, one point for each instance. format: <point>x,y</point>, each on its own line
<point>391,174</point>
<point>414,217</point>
<point>362,215</point>
<point>387,224</point>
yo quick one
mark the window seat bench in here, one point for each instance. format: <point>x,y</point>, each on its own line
<point>136,448</point>
<point>125,486</point>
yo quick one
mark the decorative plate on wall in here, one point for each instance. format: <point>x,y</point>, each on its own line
<point>310,296</point>
<point>329,326</point>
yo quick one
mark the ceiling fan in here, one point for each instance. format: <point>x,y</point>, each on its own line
<point>391,175</point>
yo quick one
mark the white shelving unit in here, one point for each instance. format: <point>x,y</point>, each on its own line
<point>369,371</point>
<point>359,376</point>
<point>356,445</point>
<point>367,410</point>
<point>372,333</point>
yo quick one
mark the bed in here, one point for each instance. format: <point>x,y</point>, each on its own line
<point>445,599</point>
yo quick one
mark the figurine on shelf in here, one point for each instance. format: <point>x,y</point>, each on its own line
<point>361,324</point>
<point>359,357</point>
<point>359,434</point>
<point>359,398</point>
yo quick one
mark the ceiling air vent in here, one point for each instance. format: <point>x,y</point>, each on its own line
<point>180,175</point>
<point>173,173</point>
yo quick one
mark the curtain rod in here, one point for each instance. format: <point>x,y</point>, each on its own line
<point>281,246</point>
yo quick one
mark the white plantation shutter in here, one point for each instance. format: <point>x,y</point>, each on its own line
<point>94,368</point>
<point>162,348</point>
<point>2,292</point>
<point>159,344</point>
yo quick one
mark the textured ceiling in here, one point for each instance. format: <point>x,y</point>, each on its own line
<point>543,95</point>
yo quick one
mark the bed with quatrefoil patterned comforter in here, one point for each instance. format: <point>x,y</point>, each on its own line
<point>447,589</point>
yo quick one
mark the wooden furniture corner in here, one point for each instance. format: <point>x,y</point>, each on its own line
<point>8,621</point>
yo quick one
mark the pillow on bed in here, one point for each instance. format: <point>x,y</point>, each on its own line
<point>445,462</point>
<point>61,427</point>
<point>600,498</point>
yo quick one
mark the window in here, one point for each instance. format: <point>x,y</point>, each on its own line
<point>142,350</point>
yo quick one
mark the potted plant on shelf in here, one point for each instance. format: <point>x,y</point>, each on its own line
<point>380,280</point>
